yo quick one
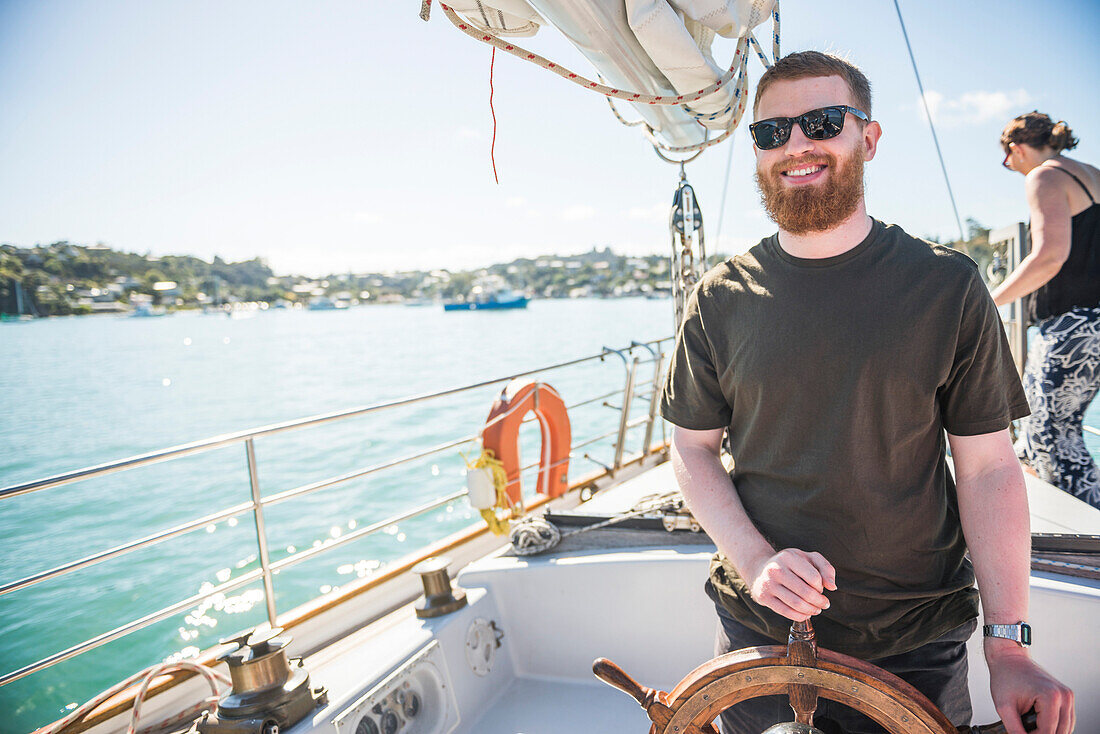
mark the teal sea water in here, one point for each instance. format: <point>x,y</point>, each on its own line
<point>77,392</point>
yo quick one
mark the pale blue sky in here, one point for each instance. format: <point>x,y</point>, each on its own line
<point>349,135</point>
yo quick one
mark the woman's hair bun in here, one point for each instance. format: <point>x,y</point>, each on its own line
<point>1061,137</point>
<point>1037,130</point>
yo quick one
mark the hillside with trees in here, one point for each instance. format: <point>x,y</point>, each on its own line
<point>64,278</point>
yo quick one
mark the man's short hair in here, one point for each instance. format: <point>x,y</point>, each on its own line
<point>810,64</point>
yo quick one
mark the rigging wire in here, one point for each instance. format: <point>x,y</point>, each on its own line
<point>928,114</point>
<point>729,160</point>
<point>722,206</point>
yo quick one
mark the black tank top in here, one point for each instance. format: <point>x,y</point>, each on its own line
<point>1077,284</point>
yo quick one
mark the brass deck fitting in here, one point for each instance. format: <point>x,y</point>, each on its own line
<point>438,598</point>
<point>270,691</point>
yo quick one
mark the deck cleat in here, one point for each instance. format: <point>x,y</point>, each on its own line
<point>439,596</point>
<point>270,692</point>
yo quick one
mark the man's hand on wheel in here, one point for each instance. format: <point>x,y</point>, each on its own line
<point>792,583</point>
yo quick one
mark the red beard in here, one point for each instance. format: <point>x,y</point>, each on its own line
<point>802,209</point>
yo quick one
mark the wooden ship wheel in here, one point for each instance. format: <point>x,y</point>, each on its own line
<point>798,670</point>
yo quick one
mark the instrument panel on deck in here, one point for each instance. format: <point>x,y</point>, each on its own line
<point>417,698</point>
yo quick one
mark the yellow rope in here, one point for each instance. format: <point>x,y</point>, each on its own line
<point>488,460</point>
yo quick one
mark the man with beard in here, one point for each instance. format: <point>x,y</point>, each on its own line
<point>836,353</point>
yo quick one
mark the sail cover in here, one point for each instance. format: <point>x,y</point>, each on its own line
<point>514,18</point>
<point>655,47</point>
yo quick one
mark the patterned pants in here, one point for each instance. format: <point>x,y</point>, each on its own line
<point>1061,379</point>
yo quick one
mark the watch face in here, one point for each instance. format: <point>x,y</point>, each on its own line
<point>1025,634</point>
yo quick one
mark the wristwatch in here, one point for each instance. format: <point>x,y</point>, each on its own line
<point>1019,632</point>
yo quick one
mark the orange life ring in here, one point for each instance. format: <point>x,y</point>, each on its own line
<point>501,435</point>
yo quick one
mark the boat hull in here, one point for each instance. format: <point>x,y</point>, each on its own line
<point>487,306</point>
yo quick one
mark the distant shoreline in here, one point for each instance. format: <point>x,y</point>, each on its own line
<point>129,313</point>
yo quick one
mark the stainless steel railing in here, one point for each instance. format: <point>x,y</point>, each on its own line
<point>1011,245</point>
<point>258,502</point>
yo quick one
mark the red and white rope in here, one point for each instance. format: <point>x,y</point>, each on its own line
<point>470,30</point>
<point>737,106</point>
<point>737,70</point>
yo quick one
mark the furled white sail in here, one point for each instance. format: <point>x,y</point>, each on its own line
<point>677,36</point>
<point>653,47</point>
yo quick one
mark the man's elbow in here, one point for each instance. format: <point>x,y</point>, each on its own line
<point>985,460</point>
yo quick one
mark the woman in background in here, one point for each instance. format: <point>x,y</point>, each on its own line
<point>1061,277</point>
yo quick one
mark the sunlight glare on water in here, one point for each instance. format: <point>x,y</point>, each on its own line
<point>84,391</point>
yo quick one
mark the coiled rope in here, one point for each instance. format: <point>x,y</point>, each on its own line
<point>533,535</point>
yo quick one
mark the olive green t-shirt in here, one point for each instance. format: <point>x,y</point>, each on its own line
<point>836,378</point>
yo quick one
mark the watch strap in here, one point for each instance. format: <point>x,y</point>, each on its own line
<point>1019,632</point>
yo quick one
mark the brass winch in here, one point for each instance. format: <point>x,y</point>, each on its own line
<point>270,692</point>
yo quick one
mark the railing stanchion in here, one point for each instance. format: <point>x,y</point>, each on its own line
<point>653,400</point>
<point>261,531</point>
<point>624,414</point>
<point>1019,306</point>
<point>1014,239</point>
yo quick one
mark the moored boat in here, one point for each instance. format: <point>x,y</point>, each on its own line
<point>488,299</point>
<point>148,310</point>
<point>489,304</point>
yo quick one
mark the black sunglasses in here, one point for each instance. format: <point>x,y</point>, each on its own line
<point>820,124</point>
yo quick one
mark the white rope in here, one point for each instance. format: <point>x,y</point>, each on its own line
<point>775,32</point>
<point>620,118</point>
<point>146,677</point>
<point>740,94</point>
<point>760,52</point>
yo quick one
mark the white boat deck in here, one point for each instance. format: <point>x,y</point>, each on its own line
<point>533,706</point>
<point>640,606</point>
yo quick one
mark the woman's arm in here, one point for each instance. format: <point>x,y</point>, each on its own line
<point>1050,236</point>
